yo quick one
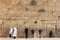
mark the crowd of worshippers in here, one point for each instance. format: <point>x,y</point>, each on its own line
<point>13,32</point>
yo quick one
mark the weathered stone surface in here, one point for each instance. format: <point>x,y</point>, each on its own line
<point>21,13</point>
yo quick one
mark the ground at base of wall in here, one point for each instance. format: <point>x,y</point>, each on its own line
<point>29,38</point>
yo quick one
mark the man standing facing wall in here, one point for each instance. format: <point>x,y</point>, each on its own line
<point>26,32</point>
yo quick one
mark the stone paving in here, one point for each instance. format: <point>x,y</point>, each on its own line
<point>30,39</point>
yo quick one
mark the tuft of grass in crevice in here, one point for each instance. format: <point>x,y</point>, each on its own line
<point>41,10</point>
<point>33,2</point>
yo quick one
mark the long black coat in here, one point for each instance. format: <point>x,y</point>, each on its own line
<point>50,34</point>
<point>26,30</point>
<point>40,31</point>
<point>32,32</point>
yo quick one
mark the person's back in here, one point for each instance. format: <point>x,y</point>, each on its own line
<point>32,32</point>
<point>51,34</point>
<point>40,31</point>
<point>10,32</point>
<point>26,30</point>
<point>14,32</point>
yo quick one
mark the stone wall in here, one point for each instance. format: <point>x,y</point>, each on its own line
<point>24,13</point>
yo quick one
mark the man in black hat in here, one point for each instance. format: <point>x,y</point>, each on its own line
<point>40,31</point>
<point>50,34</point>
<point>26,32</point>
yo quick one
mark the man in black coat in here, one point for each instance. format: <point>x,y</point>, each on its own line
<point>50,34</point>
<point>40,31</point>
<point>32,32</point>
<point>26,32</point>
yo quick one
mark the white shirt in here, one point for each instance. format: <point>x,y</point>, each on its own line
<point>11,30</point>
<point>15,32</point>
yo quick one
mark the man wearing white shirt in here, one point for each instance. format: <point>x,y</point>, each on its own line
<point>14,33</point>
<point>10,32</point>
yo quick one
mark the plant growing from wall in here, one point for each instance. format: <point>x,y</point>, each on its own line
<point>33,2</point>
<point>41,10</point>
<point>27,9</point>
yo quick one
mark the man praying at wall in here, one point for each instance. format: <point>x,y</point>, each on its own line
<point>10,32</point>
<point>32,32</point>
<point>50,34</point>
<point>40,31</point>
<point>13,32</point>
<point>26,32</point>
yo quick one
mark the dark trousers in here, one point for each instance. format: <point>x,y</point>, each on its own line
<point>14,37</point>
<point>39,35</point>
<point>32,34</point>
<point>9,35</point>
<point>50,36</point>
<point>26,35</point>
